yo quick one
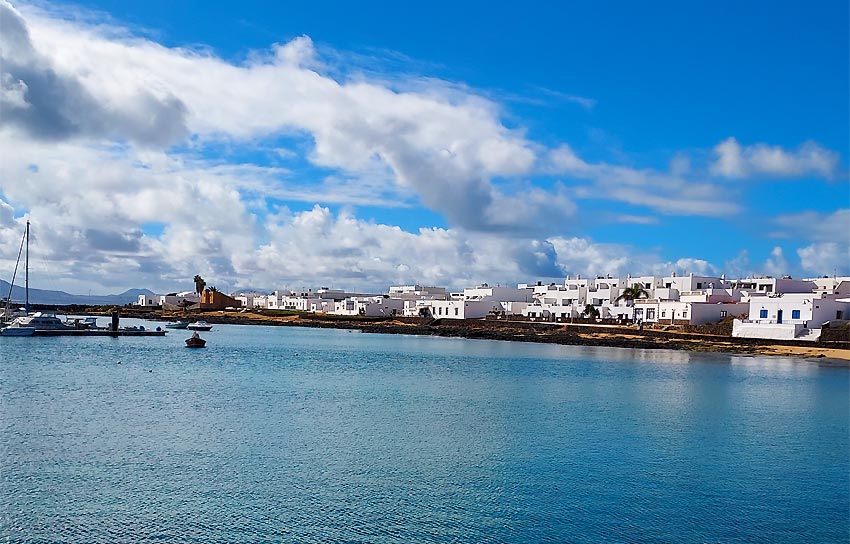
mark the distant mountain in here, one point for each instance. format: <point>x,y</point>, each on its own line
<point>61,298</point>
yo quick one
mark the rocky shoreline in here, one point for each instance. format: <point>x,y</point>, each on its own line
<point>518,331</point>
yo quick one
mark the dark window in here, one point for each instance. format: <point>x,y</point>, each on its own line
<point>722,313</point>
<point>795,314</point>
<point>699,285</point>
<point>763,314</point>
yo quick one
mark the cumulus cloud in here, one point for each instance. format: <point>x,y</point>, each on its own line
<point>816,226</point>
<point>447,148</point>
<point>48,103</point>
<point>665,193</point>
<point>776,264</point>
<point>105,139</point>
<point>733,160</point>
<point>825,258</point>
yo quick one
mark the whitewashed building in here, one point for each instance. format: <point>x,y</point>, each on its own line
<point>473,303</point>
<point>371,306</point>
<point>791,316</point>
<point>148,300</point>
<point>831,285</point>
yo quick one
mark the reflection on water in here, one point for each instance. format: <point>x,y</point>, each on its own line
<point>284,434</point>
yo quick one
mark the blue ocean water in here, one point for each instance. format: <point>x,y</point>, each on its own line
<point>317,435</point>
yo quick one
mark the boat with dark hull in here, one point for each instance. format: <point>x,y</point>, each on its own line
<point>195,342</point>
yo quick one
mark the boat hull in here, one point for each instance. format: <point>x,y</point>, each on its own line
<point>17,331</point>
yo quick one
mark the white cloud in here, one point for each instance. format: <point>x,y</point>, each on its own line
<point>736,161</point>
<point>816,226</point>
<point>825,258</point>
<point>91,116</point>
<point>666,193</point>
<point>776,265</point>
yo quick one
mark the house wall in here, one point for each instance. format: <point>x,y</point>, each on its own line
<point>785,331</point>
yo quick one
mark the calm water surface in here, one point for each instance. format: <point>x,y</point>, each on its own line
<point>302,435</point>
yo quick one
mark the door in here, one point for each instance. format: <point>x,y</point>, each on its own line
<point>779,316</point>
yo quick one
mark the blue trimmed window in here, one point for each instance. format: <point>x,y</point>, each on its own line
<point>795,314</point>
<point>763,314</point>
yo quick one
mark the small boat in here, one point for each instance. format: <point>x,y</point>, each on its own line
<point>38,321</point>
<point>199,326</point>
<point>195,341</point>
<point>177,325</point>
<point>17,331</point>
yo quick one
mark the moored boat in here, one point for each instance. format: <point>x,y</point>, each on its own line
<point>195,341</point>
<point>35,322</point>
<point>177,325</point>
<point>199,326</point>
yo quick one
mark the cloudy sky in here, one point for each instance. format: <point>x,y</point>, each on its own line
<point>355,146</point>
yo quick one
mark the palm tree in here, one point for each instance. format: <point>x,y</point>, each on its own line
<point>199,284</point>
<point>213,289</point>
<point>629,294</point>
<point>590,311</point>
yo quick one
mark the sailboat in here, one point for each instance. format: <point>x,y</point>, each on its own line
<point>7,311</point>
<point>27,325</point>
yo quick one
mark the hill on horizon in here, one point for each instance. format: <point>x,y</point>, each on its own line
<point>61,298</point>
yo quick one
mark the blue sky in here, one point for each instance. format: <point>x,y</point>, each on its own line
<point>650,137</point>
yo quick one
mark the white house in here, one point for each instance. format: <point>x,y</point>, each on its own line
<point>473,303</point>
<point>832,285</point>
<point>176,299</point>
<point>692,312</point>
<point>148,300</point>
<point>372,306</point>
<point>790,316</point>
<point>768,284</point>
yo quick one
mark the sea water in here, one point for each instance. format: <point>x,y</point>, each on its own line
<point>318,435</point>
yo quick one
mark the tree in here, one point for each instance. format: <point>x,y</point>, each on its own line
<point>590,311</point>
<point>630,294</point>
<point>213,289</point>
<point>199,284</point>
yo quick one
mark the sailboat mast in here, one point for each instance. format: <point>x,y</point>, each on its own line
<point>27,269</point>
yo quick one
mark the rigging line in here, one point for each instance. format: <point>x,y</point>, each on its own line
<point>15,273</point>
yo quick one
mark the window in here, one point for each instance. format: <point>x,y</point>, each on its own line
<point>663,313</point>
<point>763,314</point>
<point>795,314</point>
<point>699,285</point>
<point>722,313</point>
<point>838,314</point>
<point>650,313</point>
<point>684,314</point>
<point>457,310</point>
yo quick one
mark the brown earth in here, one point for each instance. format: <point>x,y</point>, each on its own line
<point>686,338</point>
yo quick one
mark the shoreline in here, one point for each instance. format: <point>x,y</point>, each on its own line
<point>521,331</point>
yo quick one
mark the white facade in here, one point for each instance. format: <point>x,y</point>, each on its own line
<point>473,303</point>
<point>790,316</point>
<point>695,313</point>
<point>768,285</point>
<point>374,306</point>
<point>832,285</point>
<point>148,300</point>
<point>176,299</point>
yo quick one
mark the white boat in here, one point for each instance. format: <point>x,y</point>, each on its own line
<point>17,331</point>
<point>199,326</point>
<point>38,321</point>
<point>8,315</point>
<point>177,325</point>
